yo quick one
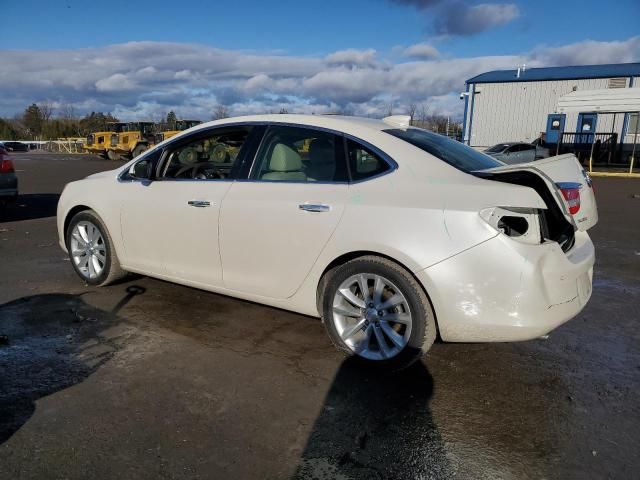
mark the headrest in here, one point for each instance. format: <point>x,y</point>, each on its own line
<point>321,151</point>
<point>284,159</point>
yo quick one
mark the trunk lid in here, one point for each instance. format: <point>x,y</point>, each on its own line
<point>556,172</point>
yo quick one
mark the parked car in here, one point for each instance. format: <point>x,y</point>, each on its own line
<point>387,232</point>
<point>16,146</point>
<point>517,152</point>
<point>8,179</point>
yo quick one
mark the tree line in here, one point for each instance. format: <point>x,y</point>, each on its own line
<point>37,122</point>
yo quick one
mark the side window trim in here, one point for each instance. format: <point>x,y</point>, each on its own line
<point>254,141</point>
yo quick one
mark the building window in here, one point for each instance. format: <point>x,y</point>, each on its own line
<point>633,124</point>
<point>617,82</point>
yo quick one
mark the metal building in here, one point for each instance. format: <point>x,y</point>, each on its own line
<point>521,105</point>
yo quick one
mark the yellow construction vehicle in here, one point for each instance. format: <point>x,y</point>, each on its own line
<point>99,142</point>
<point>135,138</point>
<point>180,126</point>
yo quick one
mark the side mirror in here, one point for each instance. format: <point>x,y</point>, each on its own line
<point>141,170</point>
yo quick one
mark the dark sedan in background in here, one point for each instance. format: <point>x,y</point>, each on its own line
<point>15,146</point>
<point>8,179</point>
<point>517,152</point>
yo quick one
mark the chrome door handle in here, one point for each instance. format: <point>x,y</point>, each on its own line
<point>314,207</point>
<point>199,203</point>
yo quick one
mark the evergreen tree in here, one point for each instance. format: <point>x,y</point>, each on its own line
<point>171,120</point>
<point>33,120</point>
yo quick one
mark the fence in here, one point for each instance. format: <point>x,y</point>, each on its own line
<point>450,130</point>
<point>65,145</point>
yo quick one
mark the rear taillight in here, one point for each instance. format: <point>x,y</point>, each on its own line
<point>571,193</point>
<point>6,166</point>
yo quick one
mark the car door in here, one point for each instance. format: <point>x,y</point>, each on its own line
<point>527,153</point>
<point>274,225</point>
<point>511,155</point>
<point>170,222</point>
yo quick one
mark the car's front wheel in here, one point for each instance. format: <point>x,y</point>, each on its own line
<point>376,310</point>
<point>91,250</point>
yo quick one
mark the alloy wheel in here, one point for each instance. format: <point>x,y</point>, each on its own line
<point>88,249</point>
<point>372,316</point>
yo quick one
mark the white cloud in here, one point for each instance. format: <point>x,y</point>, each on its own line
<point>352,58</point>
<point>146,79</point>
<point>588,52</point>
<point>422,51</point>
<point>115,83</point>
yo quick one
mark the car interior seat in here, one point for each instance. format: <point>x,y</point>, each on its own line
<point>285,164</point>
<point>322,165</point>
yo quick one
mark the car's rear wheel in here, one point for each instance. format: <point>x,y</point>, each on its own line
<point>375,310</point>
<point>91,250</point>
<point>113,155</point>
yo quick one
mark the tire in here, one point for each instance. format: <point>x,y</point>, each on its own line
<point>113,155</point>
<point>139,149</point>
<point>355,334</point>
<point>110,270</point>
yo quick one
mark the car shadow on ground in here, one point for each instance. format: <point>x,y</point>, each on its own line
<point>48,343</point>
<point>375,425</point>
<point>30,207</point>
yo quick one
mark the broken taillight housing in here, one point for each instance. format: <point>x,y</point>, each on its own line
<point>571,193</point>
<point>521,224</point>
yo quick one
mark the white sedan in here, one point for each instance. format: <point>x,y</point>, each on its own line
<point>390,234</point>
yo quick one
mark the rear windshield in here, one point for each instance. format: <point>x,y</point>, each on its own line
<point>497,148</point>
<point>454,153</point>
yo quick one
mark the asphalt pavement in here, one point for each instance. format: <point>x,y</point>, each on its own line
<point>146,379</point>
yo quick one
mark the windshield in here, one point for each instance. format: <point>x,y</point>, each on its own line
<point>450,151</point>
<point>497,148</point>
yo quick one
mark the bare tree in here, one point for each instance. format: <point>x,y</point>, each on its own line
<point>411,110</point>
<point>220,111</point>
<point>423,113</point>
<point>66,111</point>
<point>46,110</point>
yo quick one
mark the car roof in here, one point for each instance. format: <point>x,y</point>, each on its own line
<point>333,122</point>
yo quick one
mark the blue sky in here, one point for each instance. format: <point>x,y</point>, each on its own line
<point>142,57</point>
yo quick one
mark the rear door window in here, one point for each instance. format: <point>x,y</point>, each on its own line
<point>298,154</point>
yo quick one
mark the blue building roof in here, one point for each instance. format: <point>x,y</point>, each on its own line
<point>559,73</point>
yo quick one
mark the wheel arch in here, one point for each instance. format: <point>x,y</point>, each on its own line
<point>347,257</point>
<point>87,208</point>
<point>72,213</point>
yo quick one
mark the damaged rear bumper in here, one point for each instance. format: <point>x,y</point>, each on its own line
<point>503,290</point>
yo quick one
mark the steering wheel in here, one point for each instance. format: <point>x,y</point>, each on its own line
<point>195,171</point>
